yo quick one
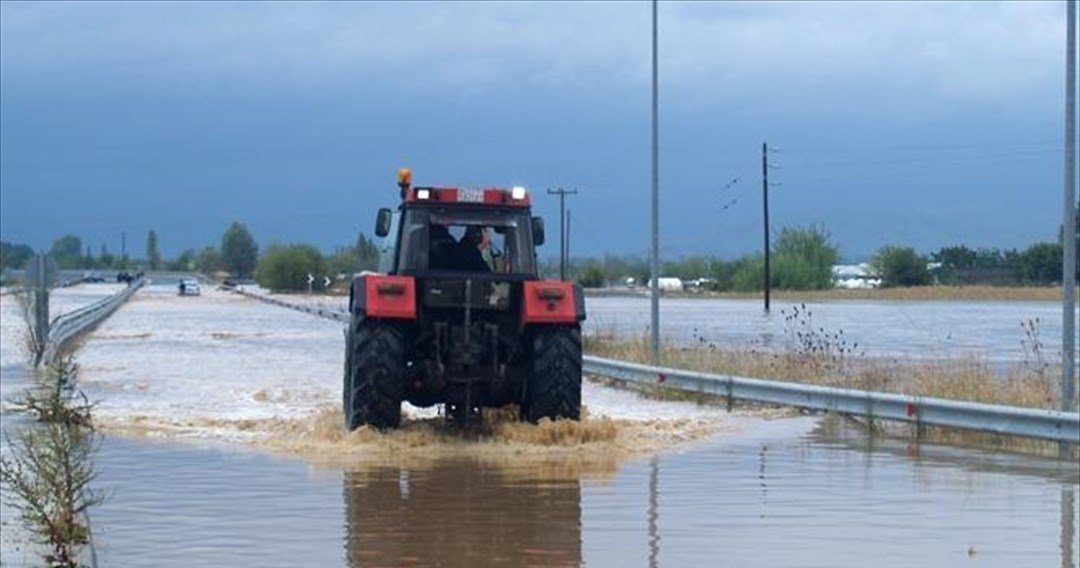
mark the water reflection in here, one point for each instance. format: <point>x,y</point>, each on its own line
<point>1068,527</point>
<point>654,512</point>
<point>460,513</point>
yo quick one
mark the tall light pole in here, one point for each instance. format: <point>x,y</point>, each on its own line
<point>1068,237</point>
<point>654,256</point>
<point>765,218</point>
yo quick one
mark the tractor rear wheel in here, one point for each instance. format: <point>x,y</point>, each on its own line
<point>554,388</point>
<point>375,384</point>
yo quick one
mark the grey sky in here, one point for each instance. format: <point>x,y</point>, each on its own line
<point>923,123</point>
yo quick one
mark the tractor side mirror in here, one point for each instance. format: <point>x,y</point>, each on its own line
<point>538,231</point>
<point>382,222</point>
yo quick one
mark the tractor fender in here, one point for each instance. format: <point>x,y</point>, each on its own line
<point>383,296</point>
<point>552,302</point>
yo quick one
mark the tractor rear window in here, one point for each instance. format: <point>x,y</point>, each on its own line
<point>486,242</point>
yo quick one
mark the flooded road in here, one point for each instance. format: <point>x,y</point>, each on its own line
<point>215,454</point>
<point>782,493</point>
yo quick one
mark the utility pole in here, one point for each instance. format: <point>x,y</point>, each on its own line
<point>1068,328</point>
<point>654,256</point>
<point>123,249</point>
<point>566,248</point>
<point>562,193</point>
<point>765,216</point>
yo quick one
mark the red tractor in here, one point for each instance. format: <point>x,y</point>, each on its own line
<point>457,315</point>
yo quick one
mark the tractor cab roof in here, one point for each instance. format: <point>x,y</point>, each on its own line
<point>514,197</point>
<point>492,196</point>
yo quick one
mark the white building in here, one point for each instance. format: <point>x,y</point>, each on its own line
<point>668,284</point>
<point>855,276</point>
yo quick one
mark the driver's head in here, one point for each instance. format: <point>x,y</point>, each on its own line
<point>439,233</point>
<point>474,235</point>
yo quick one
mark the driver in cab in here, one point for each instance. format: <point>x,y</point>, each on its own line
<point>474,250</point>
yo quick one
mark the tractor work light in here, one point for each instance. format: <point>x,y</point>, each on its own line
<point>423,193</point>
<point>517,192</point>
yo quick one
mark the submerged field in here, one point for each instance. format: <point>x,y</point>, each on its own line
<point>943,293</point>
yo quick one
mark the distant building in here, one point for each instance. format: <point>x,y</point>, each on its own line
<point>699,283</point>
<point>855,276</point>
<point>668,284</point>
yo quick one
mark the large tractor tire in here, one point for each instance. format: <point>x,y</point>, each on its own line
<point>554,388</point>
<point>375,384</point>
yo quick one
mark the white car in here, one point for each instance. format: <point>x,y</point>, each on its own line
<point>189,287</point>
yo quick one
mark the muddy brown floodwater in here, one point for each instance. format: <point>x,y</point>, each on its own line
<point>783,493</point>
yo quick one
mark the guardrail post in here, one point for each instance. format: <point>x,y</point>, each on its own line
<point>730,394</point>
<point>41,307</point>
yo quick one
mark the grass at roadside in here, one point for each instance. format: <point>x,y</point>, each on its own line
<point>970,378</point>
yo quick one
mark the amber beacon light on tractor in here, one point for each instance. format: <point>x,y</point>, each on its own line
<point>457,314</point>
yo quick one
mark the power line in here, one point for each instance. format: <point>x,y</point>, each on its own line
<point>811,164</point>
<point>817,148</point>
<point>893,174</point>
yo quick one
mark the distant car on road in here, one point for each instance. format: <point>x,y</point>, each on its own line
<point>189,287</point>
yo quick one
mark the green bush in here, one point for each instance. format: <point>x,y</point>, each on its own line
<point>239,253</point>
<point>286,267</point>
<point>208,260</point>
<point>803,260</point>
<point>364,255</point>
<point>900,266</point>
<point>750,274</point>
<point>14,255</point>
<point>591,276</point>
<point>67,251</point>
<point>1041,263</point>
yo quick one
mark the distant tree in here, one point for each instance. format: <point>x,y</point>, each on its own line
<point>343,261</point>
<point>14,256</point>
<point>722,272</point>
<point>208,260</point>
<point>749,274</point>
<point>363,255</point>
<point>105,259</point>
<point>1041,263</point>
<point>803,259</point>
<point>184,262</point>
<point>239,253</point>
<point>88,258</point>
<point>956,257</point>
<point>367,253</point>
<point>153,257</point>
<point>591,275</point>
<point>67,251</point>
<point>286,267</point>
<point>900,266</point>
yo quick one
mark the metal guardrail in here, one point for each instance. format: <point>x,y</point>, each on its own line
<point>996,419</point>
<point>327,313</point>
<point>69,326</point>
<point>922,411</point>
